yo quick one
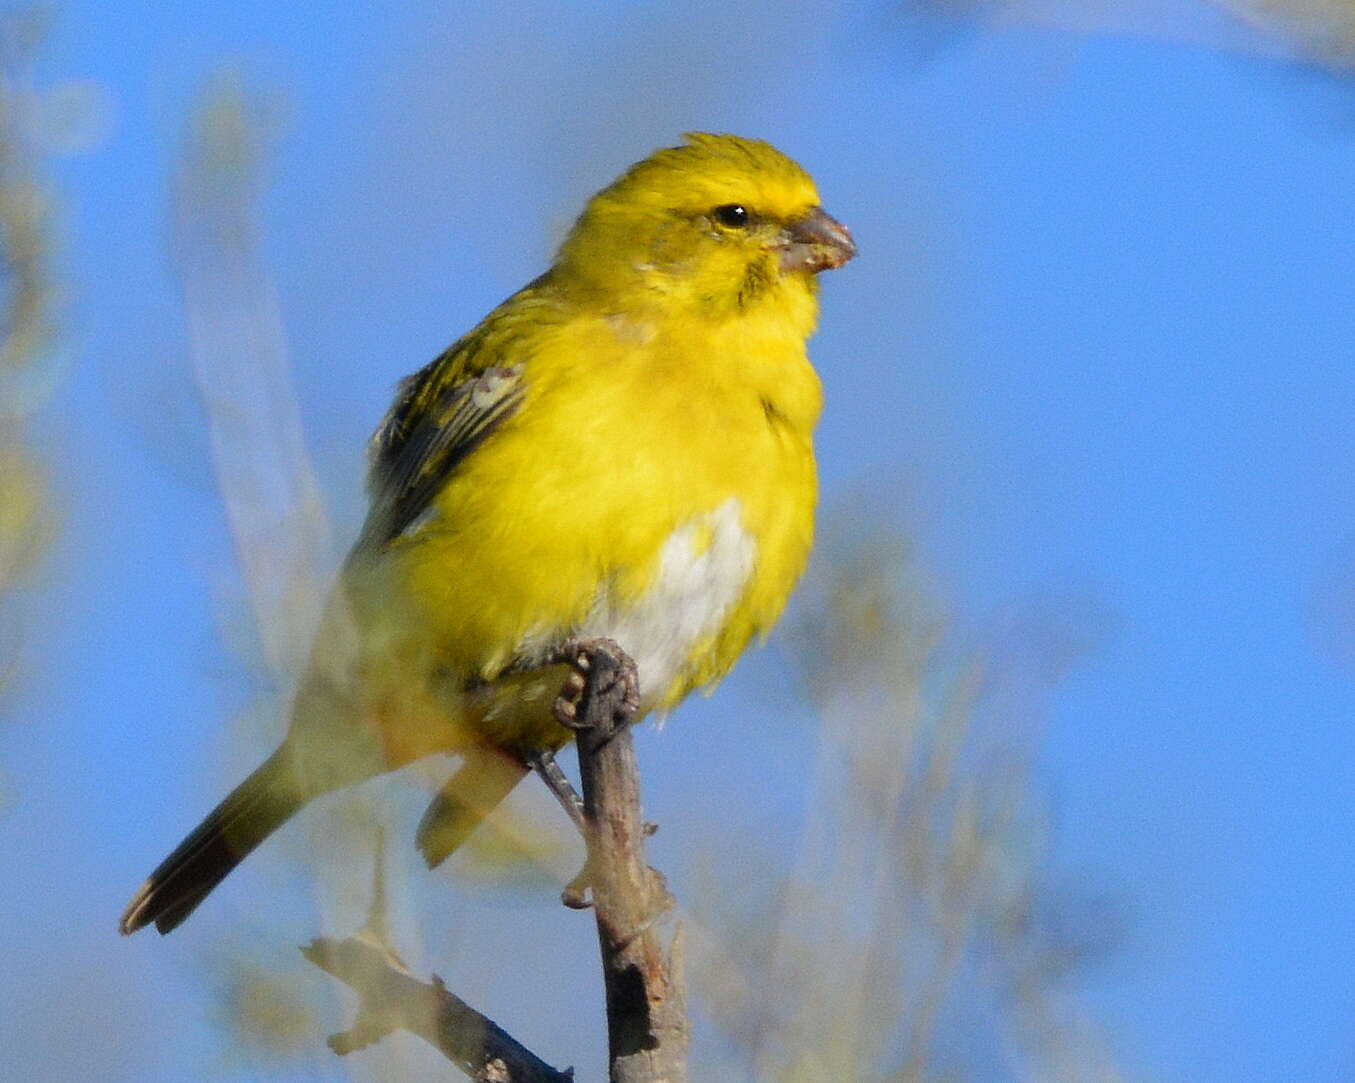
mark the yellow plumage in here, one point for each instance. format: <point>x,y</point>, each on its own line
<point>622,448</point>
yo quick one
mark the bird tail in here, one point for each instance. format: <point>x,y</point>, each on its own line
<point>484,778</point>
<point>253,811</point>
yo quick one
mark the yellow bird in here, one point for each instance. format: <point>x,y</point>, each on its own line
<point>622,449</point>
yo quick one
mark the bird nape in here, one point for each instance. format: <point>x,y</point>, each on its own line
<point>622,449</point>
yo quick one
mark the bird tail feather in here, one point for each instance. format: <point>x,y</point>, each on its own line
<point>253,811</point>
<point>484,778</point>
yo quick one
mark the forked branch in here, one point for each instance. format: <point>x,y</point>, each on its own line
<point>393,999</point>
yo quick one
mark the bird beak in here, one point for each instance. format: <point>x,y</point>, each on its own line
<point>816,242</point>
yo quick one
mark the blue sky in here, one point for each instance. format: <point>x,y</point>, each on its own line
<point>1096,344</point>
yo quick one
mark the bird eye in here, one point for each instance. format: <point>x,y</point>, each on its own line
<point>734,215</point>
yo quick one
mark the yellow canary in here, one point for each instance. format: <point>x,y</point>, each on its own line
<point>624,448</point>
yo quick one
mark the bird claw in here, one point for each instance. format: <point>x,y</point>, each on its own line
<point>579,654</point>
<point>566,711</point>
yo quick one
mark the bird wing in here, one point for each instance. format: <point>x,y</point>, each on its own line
<point>441,414</point>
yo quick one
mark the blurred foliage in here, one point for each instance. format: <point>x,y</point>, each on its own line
<point>1324,29</point>
<point>24,527</point>
<point>1319,30</point>
<point>37,120</point>
<point>239,362</point>
<point>28,302</point>
<point>238,350</point>
<point>261,1002</point>
<point>918,933</point>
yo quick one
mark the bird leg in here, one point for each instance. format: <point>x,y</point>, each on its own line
<point>575,894</point>
<point>622,693</point>
<point>543,763</point>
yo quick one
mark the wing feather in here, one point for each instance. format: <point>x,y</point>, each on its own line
<point>450,407</point>
<point>441,414</point>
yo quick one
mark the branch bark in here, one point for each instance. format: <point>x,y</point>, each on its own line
<point>648,1029</point>
<point>393,999</point>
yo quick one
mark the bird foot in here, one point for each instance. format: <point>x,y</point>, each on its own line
<point>617,674</point>
<point>603,673</point>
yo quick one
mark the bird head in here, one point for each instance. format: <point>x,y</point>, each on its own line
<point>720,224</point>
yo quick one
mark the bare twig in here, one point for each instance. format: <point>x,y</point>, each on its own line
<point>648,1030</point>
<point>393,999</point>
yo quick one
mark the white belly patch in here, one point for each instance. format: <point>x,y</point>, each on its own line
<point>703,569</point>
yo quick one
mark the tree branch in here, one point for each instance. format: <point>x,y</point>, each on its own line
<point>393,999</point>
<point>648,1029</point>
